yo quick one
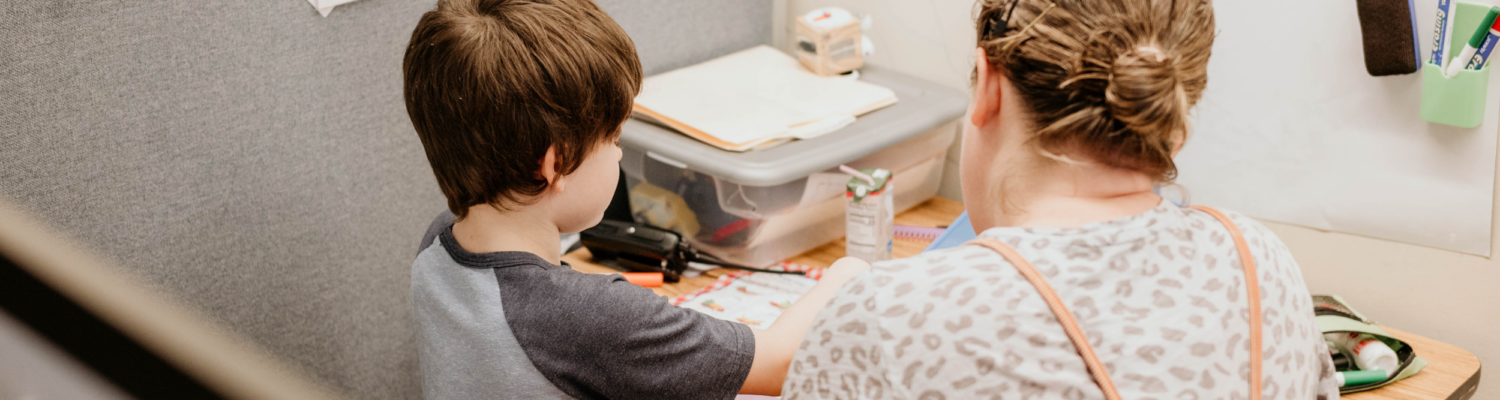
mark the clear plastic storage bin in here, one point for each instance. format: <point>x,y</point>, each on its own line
<point>761,225</point>
<point>760,207</point>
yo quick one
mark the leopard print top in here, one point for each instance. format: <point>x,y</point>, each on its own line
<point>1159,295</point>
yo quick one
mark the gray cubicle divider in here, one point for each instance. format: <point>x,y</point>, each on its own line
<point>255,161</point>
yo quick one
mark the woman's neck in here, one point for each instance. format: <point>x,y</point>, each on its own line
<point>1061,194</point>
<point>1008,182</point>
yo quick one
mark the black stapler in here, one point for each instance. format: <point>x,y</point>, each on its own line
<point>637,247</point>
<point>644,248</point>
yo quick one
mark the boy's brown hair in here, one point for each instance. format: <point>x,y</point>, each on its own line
<point>491,84</point>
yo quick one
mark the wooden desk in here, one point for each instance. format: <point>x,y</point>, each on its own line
<point>1452,373</point>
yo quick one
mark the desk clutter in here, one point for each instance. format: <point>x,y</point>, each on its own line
<point>830,41</point>
<point>869,214</point>
<point>739,155</point>
<point>1365,355</point>
<point>655,255</point>
<point>758,225</point>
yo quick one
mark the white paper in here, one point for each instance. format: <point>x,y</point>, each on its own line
<point>757,299</point>
<point>1292,129</point>
<point>756,93</point>
<point>326,6</point>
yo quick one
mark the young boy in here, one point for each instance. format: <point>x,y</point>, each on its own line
<point>519,105</point>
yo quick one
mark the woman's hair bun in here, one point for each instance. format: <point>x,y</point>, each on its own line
<point>1111,80</point>
<point>1145,93</point>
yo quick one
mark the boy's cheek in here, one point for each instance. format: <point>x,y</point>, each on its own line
<point>591,189</point>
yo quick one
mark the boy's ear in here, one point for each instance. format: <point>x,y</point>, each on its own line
<point>986,98</point>
<point>548,169</point>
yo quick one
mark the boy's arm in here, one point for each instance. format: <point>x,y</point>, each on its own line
<point>775,346</point>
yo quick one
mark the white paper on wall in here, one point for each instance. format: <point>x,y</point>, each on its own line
<point>326,6</point>
<point>1292,129</point>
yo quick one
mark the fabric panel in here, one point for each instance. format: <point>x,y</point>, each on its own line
<point>671,34</point>
<point>255,161</point>
<point>466,347</point>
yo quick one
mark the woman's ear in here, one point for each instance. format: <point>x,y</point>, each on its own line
<point>986,98</point>
<point>548,170</point>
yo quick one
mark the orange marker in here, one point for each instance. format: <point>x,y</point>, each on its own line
<point>643,279</point>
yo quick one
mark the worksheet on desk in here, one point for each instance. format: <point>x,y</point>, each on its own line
<point>755,299</point>
<point>1293,129</point>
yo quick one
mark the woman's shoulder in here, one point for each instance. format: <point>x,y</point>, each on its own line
<point>894,278</point>
<point>920,264</point>
<point>1248,226</point>
<point>1264,244</point>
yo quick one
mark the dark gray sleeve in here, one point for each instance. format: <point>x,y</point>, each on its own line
<point>439,224</point>
<point>598,336</point>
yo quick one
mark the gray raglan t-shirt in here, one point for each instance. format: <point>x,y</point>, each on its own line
<point>510,325</point>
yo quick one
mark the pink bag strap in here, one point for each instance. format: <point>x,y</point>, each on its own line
<point>1081,342</point>
<point>1252,291</point>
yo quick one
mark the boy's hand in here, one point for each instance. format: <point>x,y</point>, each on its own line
<point>775,346</point>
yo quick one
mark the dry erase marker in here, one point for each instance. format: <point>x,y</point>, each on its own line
<point>1356,378</point>
<point>644,279</point>
<point>1441,30</point>
<point>1475,41</point>
<point>1482,56</point>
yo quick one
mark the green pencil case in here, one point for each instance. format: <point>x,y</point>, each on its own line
<point>1334,315</point>
<point>1459,100</point>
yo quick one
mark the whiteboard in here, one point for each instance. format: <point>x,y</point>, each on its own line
<point>1292,129</point>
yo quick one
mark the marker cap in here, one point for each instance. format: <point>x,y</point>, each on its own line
<point>1354,378</point>
<point>1484,27</point>
<point>644,279</point>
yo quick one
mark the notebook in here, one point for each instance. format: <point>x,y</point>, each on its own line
<point>958,233</point>
<point>753,98</point>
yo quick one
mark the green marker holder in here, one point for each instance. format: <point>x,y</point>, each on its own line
<point>1459,100</point>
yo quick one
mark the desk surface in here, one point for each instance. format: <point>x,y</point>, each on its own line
<point>1452,373</point>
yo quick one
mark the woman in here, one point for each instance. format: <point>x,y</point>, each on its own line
<point>1078,108</point>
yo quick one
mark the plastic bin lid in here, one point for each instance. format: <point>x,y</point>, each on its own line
<point>921,106</point>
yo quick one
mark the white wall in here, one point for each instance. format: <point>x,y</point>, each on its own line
<point>1440,294</point>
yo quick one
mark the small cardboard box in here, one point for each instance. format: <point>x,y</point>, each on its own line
<point>828,41</point>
